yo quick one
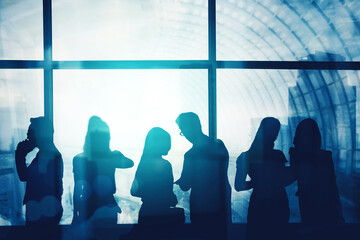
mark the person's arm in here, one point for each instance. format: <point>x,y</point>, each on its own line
<point>23,148</point>
<point>335,198</point>
<point>293,162</point>
<point>222,156</point>
<point>288,176</point>
<point>136,186</point>
<point>173,199</point>
<point>185,179</point>
<point>60,174</point>
<point>78,169</point>
<point>121,161</point>
<point>241,172</point>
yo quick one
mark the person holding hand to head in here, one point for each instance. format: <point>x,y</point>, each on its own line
<point>43,177</point>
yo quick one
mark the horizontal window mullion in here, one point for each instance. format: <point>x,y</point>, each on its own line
<point>181,64</point>
<point>192,64</point>
<point>320,65</point>
<point>19,64</point>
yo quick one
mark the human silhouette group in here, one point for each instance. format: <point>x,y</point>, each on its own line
<point>262,169</point>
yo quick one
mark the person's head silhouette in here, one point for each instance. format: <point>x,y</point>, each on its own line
<point>266,135</point>
<point>157,142</point>
<point>97,138</point>
<point>190,126</point>
<point>307,136</point>
<point>40,132</point>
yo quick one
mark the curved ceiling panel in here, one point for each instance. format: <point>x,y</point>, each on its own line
<point>21,31</point>
<point>287,29</point>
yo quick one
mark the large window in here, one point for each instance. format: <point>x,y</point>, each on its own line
<point>138,64</point>
<point>130,30</point>
<point>131,102</point>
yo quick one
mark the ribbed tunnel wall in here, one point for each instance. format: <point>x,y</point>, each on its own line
<point>293,31</point>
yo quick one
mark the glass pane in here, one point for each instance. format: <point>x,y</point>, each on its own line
<point>21,97</point>
<point>247,96</point>
<point>130,30</point>
<point>131,102</point>
<point>288,30</point>
<point>21,30</point>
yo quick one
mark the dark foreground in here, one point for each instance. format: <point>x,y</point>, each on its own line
<point>187,231</point>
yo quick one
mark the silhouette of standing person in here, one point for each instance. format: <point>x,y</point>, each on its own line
<point>319,200</point>
<point>154,182</point>
<point>43,176</point>
<point>94,176</point>
<point>205,173</point>
<point>269,206</point>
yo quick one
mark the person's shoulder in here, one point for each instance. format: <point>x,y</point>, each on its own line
<point>278,152</point>
<point>292,150</point>
<point>51,150</point>
<point>219,143</point>
<point>167,164</point>
<point>79,161</point>
<point>242,157</point>
<point>279,155</point>
<point>56,153</point>
<point>324,155</point>
<point>79,158</point>
<point>53,153</point>
<point>325,152</point>
<point>189,153</point>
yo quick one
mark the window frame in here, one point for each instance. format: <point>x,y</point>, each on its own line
<point>211,64</point>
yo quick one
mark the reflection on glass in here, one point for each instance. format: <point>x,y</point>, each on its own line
<point>286,30</point>
<point>21,30</point>
<point>21,97</point>
<point>131,102</point>
<point>130,30</point>
<point>329,97</point>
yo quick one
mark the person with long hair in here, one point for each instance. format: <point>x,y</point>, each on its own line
<point>319,200</point>
<point>153,182</point>
<point>269,205</point>
<point>94,176</point>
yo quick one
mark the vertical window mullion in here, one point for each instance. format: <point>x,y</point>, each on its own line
<point>212,68</point>
<point>48,66</point>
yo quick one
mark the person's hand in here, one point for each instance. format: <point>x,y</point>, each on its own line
<point>182,184</point>
<point>25,146</point>
<point>173,200</point>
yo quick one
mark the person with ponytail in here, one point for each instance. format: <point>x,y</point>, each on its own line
<point>94,176</point>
